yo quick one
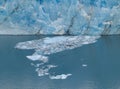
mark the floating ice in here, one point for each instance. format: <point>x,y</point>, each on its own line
<point>84,65</point>
<point>44,70</point>
<point>38,57</point>
<point>49,45</point>
<point>62,76</point>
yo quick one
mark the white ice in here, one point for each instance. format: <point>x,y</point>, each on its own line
<point>62,76</point>
<point>38,57</point>
<point>49,45</point>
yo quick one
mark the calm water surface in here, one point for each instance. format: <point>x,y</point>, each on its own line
<point>102,72</point>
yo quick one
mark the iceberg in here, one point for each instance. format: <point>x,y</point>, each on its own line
<point>60,17</point>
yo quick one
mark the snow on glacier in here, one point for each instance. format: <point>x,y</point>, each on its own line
<point>48,45</point>
<point>94,17</point>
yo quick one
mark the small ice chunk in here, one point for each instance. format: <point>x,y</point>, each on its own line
<point>51,66</point>
<point>38,57</point>
<point>42,72</point>
<point>84,65</point>
<point>62,76</point>
<point>36,65</point>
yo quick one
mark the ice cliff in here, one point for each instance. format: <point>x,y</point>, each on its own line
<point>70,17</point>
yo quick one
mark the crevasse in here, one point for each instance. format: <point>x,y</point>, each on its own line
<point>70,17</point>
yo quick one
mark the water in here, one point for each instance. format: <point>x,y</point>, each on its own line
<point>94,66</point>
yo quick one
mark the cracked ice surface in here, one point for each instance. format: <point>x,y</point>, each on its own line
<point>49,45</point>
<point>74,17</point>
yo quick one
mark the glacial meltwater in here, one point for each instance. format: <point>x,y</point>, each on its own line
<point>90,66</point>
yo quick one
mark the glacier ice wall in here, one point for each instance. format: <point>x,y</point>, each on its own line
<point>71,17</point>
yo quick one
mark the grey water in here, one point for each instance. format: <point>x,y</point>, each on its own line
<point>102,71</point>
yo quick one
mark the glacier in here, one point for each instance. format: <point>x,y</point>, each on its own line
<point>60,17</point>
<point>80,22</point>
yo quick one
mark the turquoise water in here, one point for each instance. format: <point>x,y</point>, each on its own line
<point>102,71</point>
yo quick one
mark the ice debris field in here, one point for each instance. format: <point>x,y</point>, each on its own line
<point>49,45</point>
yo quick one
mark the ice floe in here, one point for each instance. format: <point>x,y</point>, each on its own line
<point>84,65</point>
<point>38,57</point>
<point>62,76</point>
